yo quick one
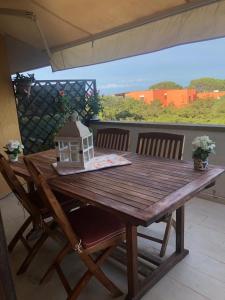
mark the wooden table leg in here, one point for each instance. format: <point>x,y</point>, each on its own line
<point>180,229</point>
<point>134,291</point>
<point>132,265</point>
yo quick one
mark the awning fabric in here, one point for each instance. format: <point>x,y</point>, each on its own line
<point>86,32</point>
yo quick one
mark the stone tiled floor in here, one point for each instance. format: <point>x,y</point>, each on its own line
<point>201,275</point>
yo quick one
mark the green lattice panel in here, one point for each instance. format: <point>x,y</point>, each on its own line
<point>40,116</point>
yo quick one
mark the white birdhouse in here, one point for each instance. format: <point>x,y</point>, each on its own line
<point>74,144</point>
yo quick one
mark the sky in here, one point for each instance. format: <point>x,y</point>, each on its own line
<point>180,64</point>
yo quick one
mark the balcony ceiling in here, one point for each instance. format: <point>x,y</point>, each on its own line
<point>85,32</point>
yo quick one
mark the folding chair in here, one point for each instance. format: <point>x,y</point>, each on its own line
<point>88,230</point>
<point>37,215</point>
<point>165,145</point>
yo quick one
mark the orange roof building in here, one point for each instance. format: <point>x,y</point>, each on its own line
<point>211,95</point>
<point>178,98</point>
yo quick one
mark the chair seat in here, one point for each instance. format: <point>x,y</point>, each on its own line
<point>94,225</point>
<point>67,202</point>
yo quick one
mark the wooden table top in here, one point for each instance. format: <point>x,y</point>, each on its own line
<point>141,192</point>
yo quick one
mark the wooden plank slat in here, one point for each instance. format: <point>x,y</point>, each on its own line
<point>151,178</point>
<point>115,194</point>
<point>110,185</point>
<point>130,185</point>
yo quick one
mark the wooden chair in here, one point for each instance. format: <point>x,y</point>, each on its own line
<point>160,144</point>
<point>165,145</point>
<point>37,215</point>
<point>113,138</point>
<point>88,230</point>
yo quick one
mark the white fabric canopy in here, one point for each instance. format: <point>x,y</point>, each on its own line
<point>72,33</point>
<point>195,25</point>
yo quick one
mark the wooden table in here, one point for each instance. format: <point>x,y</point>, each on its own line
<point>140,194</point>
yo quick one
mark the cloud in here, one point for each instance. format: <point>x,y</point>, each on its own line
<point>114,85</point>
<point>126,84</point>
<point>139,80</point>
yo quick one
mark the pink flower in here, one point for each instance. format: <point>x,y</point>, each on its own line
<point>61,93</point>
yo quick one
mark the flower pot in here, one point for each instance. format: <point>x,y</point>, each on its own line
<point>13,157</point>
<point>23,89</point>
<point>200,165</point>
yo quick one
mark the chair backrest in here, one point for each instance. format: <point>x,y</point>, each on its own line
<point>160,144</point>
<point>113,138</point>
<point>15,185</point>
<point>51,202</point>
<point>34,172</point>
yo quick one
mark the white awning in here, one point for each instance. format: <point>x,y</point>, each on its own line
<point>86,32</point>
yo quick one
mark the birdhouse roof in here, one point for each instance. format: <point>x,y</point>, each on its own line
<point>73,129</point>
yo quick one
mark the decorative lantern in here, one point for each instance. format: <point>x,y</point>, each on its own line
<point>74,144</point>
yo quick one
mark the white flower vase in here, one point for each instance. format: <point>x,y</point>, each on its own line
<point>13,157</point>
<point>200,165</point>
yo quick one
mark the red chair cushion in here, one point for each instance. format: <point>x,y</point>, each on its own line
<point>94,225</point>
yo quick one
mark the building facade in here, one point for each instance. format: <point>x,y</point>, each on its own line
<point>177,97</point>
<point>211,95</point>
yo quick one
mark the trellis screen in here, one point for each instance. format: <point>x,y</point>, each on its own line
<point>40,115</point>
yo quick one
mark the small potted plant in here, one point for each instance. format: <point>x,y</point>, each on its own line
<point>23,84</point>
<point>13,148</point>
<point>202,147</point>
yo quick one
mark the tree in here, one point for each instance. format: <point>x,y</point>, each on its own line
<point>119,108</point>
<point>207,84</point>
<point>167,85</point>
<point>207,111</point>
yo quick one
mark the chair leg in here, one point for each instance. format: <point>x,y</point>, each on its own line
<point>63,279</point>
<point>32,253</point>
<point>88,275</point>
<point>166,236</point>
<point>56,261</point>
<point>93,270</point>
<point>174,223</point>
<point>100,275</point>
<point>25,243</point>
<point>19,234</point>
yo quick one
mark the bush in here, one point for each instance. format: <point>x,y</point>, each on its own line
<point>208,111</point>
